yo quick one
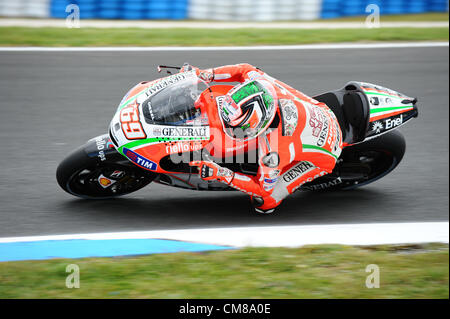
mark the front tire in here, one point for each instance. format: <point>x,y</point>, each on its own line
<point>90,178</point>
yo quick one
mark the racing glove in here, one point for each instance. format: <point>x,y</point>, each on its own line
<point>205,75</point>
<point>209,171</point>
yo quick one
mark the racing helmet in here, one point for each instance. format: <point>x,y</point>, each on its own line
<point>248,109</point>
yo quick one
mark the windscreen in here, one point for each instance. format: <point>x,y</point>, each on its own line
<point>175,104</point>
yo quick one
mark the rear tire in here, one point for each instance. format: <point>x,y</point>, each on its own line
<point>80,175</point>
<point>363,163</point>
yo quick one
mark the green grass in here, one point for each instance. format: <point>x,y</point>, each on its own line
<point>325,271</point>
<point>61,37</point>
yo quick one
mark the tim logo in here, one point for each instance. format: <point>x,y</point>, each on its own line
<point>139,160</point>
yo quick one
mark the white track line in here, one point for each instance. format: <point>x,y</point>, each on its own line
<point>61,23</point>
<point>233,48</point>
<point>282,236</point>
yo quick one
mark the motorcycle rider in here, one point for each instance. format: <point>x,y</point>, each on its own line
<point>298,138</point>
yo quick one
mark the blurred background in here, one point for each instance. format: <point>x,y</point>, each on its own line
<point>231,10</point>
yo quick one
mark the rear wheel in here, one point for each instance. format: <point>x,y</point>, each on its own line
<point>364,163</point>
<point>88,177</point>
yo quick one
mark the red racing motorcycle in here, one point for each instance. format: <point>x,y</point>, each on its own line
<point>157,123</point>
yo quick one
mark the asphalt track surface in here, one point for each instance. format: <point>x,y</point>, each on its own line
<point>52,102</point>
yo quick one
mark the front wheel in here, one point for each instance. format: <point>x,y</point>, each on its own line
<point>363,163</point>
<point>89,177</point>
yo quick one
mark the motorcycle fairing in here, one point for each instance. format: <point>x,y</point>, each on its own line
<point>365,110</point>
<point>389,109</point>
<point>146,142</point>
<point>191,181</point>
